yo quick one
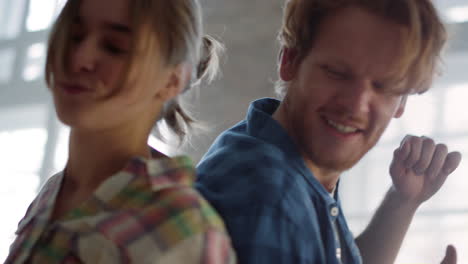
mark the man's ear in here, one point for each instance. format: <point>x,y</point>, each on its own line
<point>287,70</point>
<point>178,79</point>
<point>401,108</point>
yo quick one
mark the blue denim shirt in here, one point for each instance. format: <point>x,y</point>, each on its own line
<point>273,207</point>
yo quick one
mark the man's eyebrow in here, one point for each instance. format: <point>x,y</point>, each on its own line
<point>337,62</point>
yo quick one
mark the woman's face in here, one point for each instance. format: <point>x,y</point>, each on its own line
<point>92,96</point>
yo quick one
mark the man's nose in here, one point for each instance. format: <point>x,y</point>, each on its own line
<point>356,99</point>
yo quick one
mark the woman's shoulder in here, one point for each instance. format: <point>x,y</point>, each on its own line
<point>166,197</point>
<point>168,208</point>
<point>190,225</point>
<point>43,200</point>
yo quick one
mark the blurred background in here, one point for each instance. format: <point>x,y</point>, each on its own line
<point>33,144</point>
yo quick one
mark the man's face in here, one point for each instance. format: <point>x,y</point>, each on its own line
<point>343,95</point>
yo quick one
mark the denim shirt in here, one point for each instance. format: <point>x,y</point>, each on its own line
<point>274,208</point>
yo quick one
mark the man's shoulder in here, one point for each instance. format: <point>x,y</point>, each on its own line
<point>242,171</point>
<point>237,157</point>
<point>236,149</point>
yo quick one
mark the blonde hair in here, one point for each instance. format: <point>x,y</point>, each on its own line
<point>172,26</point>
<point>421,49</point>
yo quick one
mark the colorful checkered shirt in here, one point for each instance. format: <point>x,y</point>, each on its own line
<point>146,213</point>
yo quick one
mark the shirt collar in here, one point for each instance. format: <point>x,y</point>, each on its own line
<point>43,203</point>
<point>262,125</point>
<point>161,173</point>
<point>164,172</point>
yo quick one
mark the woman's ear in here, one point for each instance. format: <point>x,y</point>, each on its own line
<point>401,107</point>
<point>179,77</point>
<point>287,68</point>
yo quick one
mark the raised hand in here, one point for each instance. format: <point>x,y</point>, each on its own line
<point>420,167</point>
<point>450,256</point>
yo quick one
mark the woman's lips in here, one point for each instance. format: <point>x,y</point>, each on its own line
<point>74,89</point>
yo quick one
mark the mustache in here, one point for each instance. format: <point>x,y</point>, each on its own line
<point>344,115</point>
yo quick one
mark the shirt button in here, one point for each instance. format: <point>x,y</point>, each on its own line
<point>334,211</point>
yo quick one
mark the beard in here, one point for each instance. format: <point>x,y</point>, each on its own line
<point>335,158</point>
<point>331,163</point>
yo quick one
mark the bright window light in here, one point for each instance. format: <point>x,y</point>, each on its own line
<point>35,60</point>
<point>61,151</point>
<point>159,145</point>
<point>416,123</point>
<point>7,58</point>
<point>21,155</point>
<point>165,146</point>
<point>455,107</point>
<point>17,149</point>
<point>11,15</point>
<point>41,14</point>
<point>60,5</point>
<point>458,14</point>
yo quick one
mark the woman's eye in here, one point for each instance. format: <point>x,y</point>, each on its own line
<point>77,38</point>
<point>114,49</point>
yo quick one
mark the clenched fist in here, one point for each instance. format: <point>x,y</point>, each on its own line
<point>420,167</point>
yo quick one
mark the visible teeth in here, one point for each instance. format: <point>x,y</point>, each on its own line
<point>342,128</point>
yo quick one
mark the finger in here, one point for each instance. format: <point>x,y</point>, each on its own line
<point>450,255</point>
<point>438,159</point>
<point>427,151</point>
<point>397,167</point>
<point>415,153</point>
<point>451,162</point>
<point>402,153</point>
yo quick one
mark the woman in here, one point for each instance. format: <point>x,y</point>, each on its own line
<point>116,67</point>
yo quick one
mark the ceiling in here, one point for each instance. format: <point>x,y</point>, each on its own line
<point>248,29</point>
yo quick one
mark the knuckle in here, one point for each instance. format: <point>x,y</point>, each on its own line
<point>415,155</point>
<point>429,141</point>
<point>442,148</point>
<point>421,166</point>
<point>412,159</point>
<point>418,169</point>
<point>417,141</point>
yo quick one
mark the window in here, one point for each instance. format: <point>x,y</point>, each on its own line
<point>23,140</point>
<point>34,64</point>
<point>7,58</point>
<point>457,14</point>
<point>442,220</point>
<point>34,144</point>
<point>27,121</point>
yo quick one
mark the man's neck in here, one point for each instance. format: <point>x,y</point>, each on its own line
<point>328,178</point>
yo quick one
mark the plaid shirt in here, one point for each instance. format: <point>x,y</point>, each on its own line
<point>146,213</point>
<point>274,208</point>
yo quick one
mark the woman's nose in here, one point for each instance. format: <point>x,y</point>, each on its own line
<point>84,56</point>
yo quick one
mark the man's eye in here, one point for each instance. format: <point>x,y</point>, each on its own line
<point>378,85</point>
<point>335,74</point>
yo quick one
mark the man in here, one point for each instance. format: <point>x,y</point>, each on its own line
<point>346,69</point>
